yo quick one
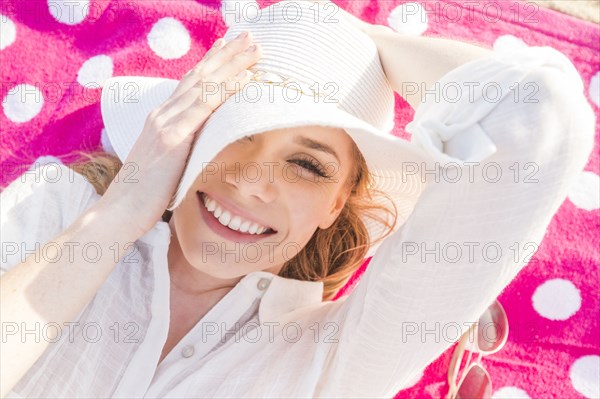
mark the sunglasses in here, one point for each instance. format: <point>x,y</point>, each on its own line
<point>491,335</point>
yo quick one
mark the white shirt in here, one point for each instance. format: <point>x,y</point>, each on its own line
<point>409,307</point>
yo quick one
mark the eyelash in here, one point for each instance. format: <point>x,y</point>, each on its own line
<point>303,161</point>
<point>313,166</point>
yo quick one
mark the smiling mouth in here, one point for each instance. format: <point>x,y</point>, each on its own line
<point>233,222</point>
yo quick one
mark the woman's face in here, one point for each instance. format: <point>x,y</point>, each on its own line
<point>289,181</point>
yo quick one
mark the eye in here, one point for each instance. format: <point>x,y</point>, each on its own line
<point>311,165</point>
<point>308,163</point>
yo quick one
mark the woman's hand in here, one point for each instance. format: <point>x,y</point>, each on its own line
<point>160,153</point>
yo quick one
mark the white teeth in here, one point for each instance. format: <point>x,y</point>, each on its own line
<point>253,228</point>
<point>225,218</point>
<point>211,205</point>
<point>245,226</point>
<point>234,222</point>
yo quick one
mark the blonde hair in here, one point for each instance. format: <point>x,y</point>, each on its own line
<point>332,255</point>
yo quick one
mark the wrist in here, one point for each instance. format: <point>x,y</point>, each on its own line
<point>119,215</point>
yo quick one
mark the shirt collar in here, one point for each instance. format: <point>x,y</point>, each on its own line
<point>282,295</point>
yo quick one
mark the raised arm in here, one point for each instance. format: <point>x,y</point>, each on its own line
<point>413,64</point>
<point>466,239</point>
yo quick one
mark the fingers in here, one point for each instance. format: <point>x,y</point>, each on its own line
<point>191,76</point>
<point>199,109</point>
<point>203,91</point>
<point>212,89</point>
<point>226,53</point>
<point>220,64</point>
<point>238,63</point>
<point>219,54</point>
<point>215,47</point>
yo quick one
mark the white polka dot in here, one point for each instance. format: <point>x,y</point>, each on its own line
<point>8,32</point>
<point>585,191</point>
<point>95,71</point>
<point>169,39</point>
<point>556,299</point>
<point>408,19</point>
<point>595,89</point>
<point>44,160</point>
<point>106,144</point>
<point>22,103</point>
<point>68,11</point>
<point>236,11</point>
<point>510,393</point>
<point>508,43</point>
<point>584,374</point>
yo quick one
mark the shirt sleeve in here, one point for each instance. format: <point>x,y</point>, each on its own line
<point>467,238</point>
<point>37,206</point>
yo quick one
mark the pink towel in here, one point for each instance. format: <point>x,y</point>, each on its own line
<point>56,54</point>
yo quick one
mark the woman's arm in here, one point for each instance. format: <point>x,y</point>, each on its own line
<point>55,283</point>
<point>413,64</point>
<point>470,233</point>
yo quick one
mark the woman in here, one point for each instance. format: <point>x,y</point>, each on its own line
<point>191,315</point>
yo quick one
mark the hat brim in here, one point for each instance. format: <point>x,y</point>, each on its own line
<point>394,163</point>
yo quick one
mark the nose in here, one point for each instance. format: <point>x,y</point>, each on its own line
<point>253,176</point>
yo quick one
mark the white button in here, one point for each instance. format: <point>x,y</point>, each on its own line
<point>187,351</point>
<point>263,284</point>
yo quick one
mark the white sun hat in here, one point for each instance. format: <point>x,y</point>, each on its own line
<point>315,69</point>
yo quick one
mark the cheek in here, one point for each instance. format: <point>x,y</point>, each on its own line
<point>305,215</point>
<point>307,207</point>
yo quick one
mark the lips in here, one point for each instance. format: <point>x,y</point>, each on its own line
<point>226,231</point>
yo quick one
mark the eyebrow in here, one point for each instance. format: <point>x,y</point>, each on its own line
<point>315,145</point>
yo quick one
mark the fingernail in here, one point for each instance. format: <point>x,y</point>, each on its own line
<point>242,35</point>
<point>251,48</point>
